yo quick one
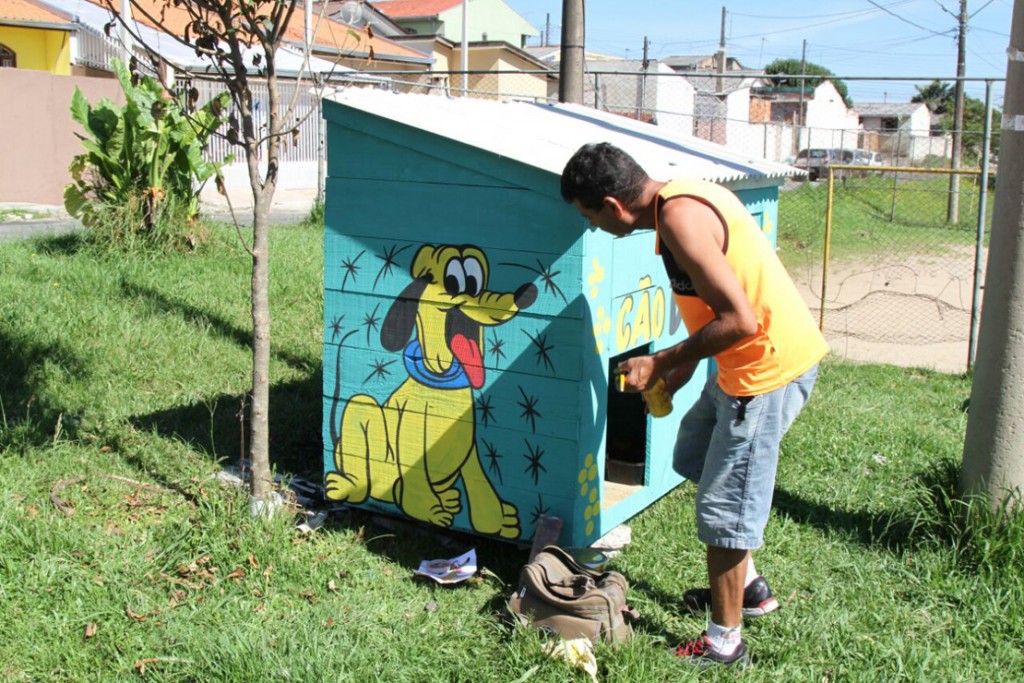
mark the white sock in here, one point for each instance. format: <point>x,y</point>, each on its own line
<point>751,571</point>
<point>723,640</point>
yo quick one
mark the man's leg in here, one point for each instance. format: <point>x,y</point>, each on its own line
<point>727,572</point>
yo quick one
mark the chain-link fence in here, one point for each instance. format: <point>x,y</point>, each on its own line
<point>891,261</point>
<point>902,283</point>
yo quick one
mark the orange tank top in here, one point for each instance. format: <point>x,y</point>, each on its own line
<point>787,342</point>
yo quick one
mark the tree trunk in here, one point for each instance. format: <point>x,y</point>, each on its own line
<point>259,424</point>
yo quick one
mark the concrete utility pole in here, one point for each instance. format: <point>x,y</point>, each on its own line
<point>953,207</point>
<point>570,77</point>
<point>993,461</point>
<point>721,56</point>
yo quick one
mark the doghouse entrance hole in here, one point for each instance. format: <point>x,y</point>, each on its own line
<point>626,442</point>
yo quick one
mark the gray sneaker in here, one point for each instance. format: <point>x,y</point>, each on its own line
<point>757,599</point>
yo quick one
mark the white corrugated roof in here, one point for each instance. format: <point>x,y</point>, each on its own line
<point>546,135</point>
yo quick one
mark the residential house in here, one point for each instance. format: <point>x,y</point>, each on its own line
<point>724,110</point>
<point>819,114</point>
<point>487,20</point>
<point>902,130</point>
<point>35,36</point>
<point>654,94</point>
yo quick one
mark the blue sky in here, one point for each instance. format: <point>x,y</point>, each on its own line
<point>914,38</point>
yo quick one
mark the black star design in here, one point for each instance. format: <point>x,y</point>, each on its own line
<point>529,406</point>
<point>535,467</point>
<point>493,456</point>
<point>351,268</point>
<point>546,274</point>
<point>539,511</point>
<point>336,327</point>
<point>380,369</point>
<point>390,261</point>
<point>542,348</point>
<point>370,321</point>
<point>483,404</point>
<point>497,346</point>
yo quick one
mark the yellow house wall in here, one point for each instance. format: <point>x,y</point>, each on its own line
<point>39,49</point>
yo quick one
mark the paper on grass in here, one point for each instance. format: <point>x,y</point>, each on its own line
<point>449,571</point>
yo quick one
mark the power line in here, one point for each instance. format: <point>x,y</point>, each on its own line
<point>908,21</point>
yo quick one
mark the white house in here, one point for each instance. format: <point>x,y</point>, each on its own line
<point>901,129</point>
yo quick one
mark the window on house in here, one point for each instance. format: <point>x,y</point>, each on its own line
<point>7,56</point>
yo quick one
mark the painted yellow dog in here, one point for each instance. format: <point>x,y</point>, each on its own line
<point>411,450</point>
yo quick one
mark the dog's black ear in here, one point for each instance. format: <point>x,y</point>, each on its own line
<point>401,317</point>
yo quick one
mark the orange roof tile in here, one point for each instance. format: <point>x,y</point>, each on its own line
<point>26,10</point>
<point>397,9</point>
<point>329,34</point>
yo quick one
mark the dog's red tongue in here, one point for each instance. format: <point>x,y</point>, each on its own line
<point>468,353</point>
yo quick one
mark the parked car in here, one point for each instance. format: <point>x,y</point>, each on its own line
<point>816,161</point>
<point>863,157</point>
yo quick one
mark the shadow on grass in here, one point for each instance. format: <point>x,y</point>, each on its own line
<point>900,530</point>
<point>21,362</point>
<point>164,304</point>
<point>218,427</point>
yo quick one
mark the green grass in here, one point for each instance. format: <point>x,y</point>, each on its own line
<point>869,218</point>
<point>116,370</point>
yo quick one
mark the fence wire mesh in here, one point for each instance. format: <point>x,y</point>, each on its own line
<point>901,284</point>
<point>888,261</point>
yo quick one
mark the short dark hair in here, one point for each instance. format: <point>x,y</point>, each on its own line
<point>600,170</point>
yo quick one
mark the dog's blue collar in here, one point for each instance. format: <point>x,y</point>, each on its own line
<point>454,378</point>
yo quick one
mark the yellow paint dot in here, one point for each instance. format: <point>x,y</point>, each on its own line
<point>599,347</point>
<point>607,325</point>
<point>592,279</point>
<point>589,460</point>
<point>587,514</point>
<point>583,476</point>
<point>592,473</point>
<point>593,495</point>
<point>590,528</point>
<point>597,509</point>
<point>583,490</point>
<point>593,292</point>
<point>597,329</point>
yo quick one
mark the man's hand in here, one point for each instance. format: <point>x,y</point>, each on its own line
<point>640,372</point>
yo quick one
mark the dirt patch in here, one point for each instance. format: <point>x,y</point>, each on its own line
<point>897,309</point>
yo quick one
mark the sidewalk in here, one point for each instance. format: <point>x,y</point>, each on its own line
<point>19,220</point>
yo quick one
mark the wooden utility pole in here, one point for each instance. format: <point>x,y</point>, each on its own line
<point>570,77</point>
<point>993,462</point>
<point>953,206</point>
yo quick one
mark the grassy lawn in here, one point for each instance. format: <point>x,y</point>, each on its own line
<point>870,218</point>
<point>122,380</point>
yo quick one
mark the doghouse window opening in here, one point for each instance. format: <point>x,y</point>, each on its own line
<point>627,443</point>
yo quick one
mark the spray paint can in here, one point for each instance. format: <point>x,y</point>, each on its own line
<point>659,403</point>
<point>657,398</point>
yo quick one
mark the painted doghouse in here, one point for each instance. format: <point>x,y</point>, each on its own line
<point>472,319</point>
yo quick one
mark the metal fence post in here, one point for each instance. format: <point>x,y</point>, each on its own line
<point>979,244</point>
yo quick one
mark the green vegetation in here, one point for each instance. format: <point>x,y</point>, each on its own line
<point>21,215</point>
<point>873,215</point>
<point>137,179</point>
<point>121,382</point>
<point>787,71</point>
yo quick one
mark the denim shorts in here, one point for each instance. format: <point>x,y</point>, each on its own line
<point>729,446</point>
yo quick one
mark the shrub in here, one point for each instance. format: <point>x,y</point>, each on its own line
<point>137,182</point>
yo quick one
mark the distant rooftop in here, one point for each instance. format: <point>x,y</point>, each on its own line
<point>887,108</point>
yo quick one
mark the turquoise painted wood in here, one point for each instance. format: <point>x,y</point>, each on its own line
<point>471,321</point>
